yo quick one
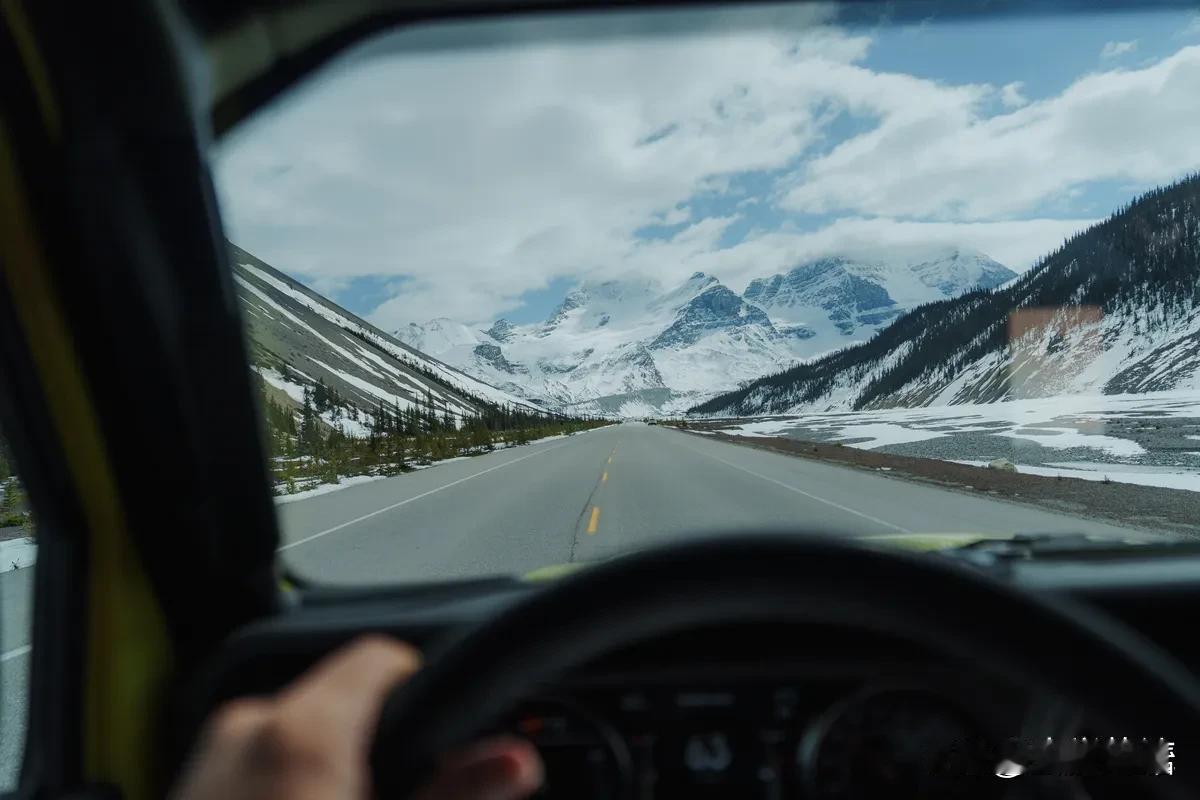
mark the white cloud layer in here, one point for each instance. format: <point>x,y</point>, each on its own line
<point>479,175</point>
<point>948,161</point>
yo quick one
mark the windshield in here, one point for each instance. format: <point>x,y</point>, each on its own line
<point>522,294</point>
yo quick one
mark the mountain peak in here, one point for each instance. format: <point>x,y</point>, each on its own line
<point>502,330</point>
<point>871,286</point>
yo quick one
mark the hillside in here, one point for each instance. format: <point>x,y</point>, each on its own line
<point>1114,310</point>
<point>342,398</point>
<point>299,338</point>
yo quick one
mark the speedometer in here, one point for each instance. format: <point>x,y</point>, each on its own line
<point>896,744</point>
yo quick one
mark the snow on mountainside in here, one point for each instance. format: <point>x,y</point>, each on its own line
<point>618,344</point>
<point>1115,310</point>
<point>632,346</point>
<point>297,337</point>
<point>846,295</point>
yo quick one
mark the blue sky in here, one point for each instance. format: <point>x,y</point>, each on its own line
<point>483,184</point>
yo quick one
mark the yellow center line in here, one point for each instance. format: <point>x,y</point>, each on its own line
<point>610,459</point>
<point>594,521</point>
<point>604,477</point>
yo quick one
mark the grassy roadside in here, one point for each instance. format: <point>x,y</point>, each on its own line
<point>1149,507</point>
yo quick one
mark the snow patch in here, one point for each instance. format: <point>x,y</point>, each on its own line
<point>1165,477</point>
<point>1067,438</point>
<point>19,553</point>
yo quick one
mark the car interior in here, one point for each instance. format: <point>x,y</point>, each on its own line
<point>748,665</point>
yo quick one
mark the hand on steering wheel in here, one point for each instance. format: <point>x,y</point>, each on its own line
<point>312,740</point>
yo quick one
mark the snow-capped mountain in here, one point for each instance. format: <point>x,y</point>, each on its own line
<point>1115,310</point>
<point>297,338</point>
<point>626,346</point>
<point>633,346</point>
<point>852,295</point>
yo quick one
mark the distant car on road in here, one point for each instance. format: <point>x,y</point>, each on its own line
<point>651,422</point>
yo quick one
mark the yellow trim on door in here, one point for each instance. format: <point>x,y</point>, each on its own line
<point>128,652</point>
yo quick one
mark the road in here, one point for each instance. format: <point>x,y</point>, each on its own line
<point>578,498</point>
<point>16,596</point>
<point>609,491</point>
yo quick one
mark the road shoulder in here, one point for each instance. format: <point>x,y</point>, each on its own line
<point>1146,507</point>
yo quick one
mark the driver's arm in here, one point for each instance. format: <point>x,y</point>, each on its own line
<point>311,741</point>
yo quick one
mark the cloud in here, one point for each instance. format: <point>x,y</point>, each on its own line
<point>1016,244</point>
<point>480,175</point>
<point>1114,49</point>
<point>1011,96</point>
<point>942,158</point>
<point>483,174</point>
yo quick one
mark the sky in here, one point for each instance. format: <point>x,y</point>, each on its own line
<point>409,182</point>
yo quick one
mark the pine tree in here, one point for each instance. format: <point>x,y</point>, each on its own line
<point>310,435</point>
<point>398,454</point>
<point>320,396</point>
<point>431,424</point>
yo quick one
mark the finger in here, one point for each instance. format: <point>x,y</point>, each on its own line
<point>504,768</point>
<point>347,688</point>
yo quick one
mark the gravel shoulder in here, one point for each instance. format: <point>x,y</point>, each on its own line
<point>1149,507</point>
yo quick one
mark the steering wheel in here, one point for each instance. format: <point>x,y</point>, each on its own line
<point>1116,674</point>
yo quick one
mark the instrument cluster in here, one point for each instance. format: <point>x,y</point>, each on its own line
<point>828,740</point>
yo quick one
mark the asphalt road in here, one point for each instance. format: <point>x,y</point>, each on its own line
<point>578,498</point>
<point>16,596</point>
<point>609,491</point>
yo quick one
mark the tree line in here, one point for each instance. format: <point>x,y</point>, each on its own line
<point>325,437</point>
<point>14,508</point>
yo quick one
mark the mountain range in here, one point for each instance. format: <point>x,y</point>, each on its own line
<point>1116,309</point>
<point>632,346</point>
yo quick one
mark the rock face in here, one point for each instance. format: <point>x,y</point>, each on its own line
<point>634,346</point>
<point>1115,310</point>
<point>502,330</point>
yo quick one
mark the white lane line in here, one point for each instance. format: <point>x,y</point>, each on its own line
<point>413,499</point>
<point>803,493</point>
<point>15,653</point>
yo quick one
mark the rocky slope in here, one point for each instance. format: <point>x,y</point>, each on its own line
<point>298,338</point>
<point>1115,310</point>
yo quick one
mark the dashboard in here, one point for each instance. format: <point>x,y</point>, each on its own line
<point>754,710</point>
<point>770,713</point>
